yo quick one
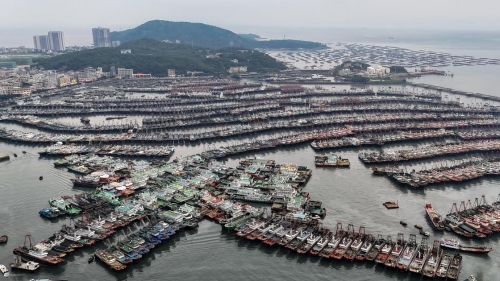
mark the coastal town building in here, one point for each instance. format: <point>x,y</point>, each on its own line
<point>125,73</point>
<point>56,41</point>
<point>115,43</point>
<point>237,69</point>
<point>125,51</point>
<point>41,42</point>
<point>171,73</point>
<point>101,37</point>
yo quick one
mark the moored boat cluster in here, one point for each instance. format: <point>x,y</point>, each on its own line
<point>430,151</point>
<point>468,170</point>
<point>174,195</point>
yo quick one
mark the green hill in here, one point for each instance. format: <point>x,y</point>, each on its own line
<point>151,56</point>
<point>203,35</point>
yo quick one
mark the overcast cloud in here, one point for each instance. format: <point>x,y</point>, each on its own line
<point>241,15</point>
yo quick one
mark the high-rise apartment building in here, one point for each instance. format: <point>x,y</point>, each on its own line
<point>56,41</point>
<point>41,42</point>
<point>101,37</point>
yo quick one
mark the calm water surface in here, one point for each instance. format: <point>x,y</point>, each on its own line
<point>350,196</point>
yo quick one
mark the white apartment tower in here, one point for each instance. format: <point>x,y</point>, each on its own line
<point>56,41</point>
<point>41,42</point>
<point>101,37</point>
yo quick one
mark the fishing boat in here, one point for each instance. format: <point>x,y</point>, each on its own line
<point>334,242</point>
<point>431,265</point>
<point>129,252</point>
<point>51,213</point>
<point>471,278</point>
<point>442,270</point>
<point>290,235</point>
<point>64,206</point>
<point>322,243</point>
<point>345,243</point>
<point>420,257</point>
<point>408,253</point>
<point>378,245</point>
<point>109,260</point>
<point>4,270</point>
<point>392,258</point>
<point>355,247</point>
<point>455,245</point>
<point>300,239</point>
<point>19,264</point>
<point>434,218</point>
<point>35,254</point>
<point>312,240</point>
<point>331,160</point>
<point>455,267</point>
<point>119,256</point>
<point>365,248</point>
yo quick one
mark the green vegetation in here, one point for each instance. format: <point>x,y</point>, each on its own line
<point>398,69</point>
<point>151,56</point>
<point>203,35</point>
<point>353,66</point>
<point>359,79</point>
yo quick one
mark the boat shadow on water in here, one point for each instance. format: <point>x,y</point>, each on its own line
<point>342,264</point>
<point>269,251</point>
<point>281,252</point>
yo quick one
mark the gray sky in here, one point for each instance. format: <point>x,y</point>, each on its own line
<point>38,16</point>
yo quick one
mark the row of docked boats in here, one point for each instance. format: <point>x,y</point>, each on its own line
<point>331,160</point>
<point>178,193</point>
<point>430,151</point>
<point>380,138</point>
<point>135,246</point>
<point>277,119</point>
<point>313,238</point>
<point>470,220</point>
<point>189,105</point>
<point>468,170</point>
<point>109,150</point>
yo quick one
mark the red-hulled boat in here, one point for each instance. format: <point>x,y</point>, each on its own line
<point>434,218</point>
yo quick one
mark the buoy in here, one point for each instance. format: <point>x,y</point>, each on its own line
<point>41,177</point>
<point>418,226</point>
<point>24,152</point>
<point>15,155</point>
<point>403,223</point>
<point>91,259</point>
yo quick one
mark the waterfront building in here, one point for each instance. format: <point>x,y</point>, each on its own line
<point>101,37</point>
<point>63,80</point>
<point>56,41</point>
<point>112,71</point>
<point>41,42</point>
<point>125,73</point>
<point>237,69</point>
<point>171,73</point>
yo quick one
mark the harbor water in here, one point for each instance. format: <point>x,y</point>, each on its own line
<point>351,195</point>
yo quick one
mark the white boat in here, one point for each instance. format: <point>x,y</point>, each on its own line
<point>450,243</point>
<point>4,270</point>
<point>19,264</point>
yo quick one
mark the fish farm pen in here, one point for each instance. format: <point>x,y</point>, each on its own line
<point>121,139</point>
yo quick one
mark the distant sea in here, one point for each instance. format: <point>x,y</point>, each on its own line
<point>482,44</point>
